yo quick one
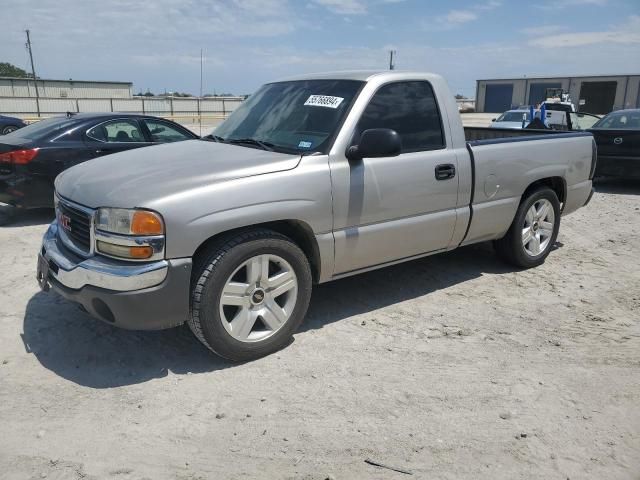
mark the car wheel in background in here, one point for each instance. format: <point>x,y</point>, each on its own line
<point>9,128</point>
<point>534,230</point>
<point>7,214</point>
<point>249,294</point>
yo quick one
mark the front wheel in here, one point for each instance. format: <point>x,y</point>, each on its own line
<point>249,294</point>
<point>534,230</point>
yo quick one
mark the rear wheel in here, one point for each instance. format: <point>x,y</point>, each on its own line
<point>534,230</point>
<point>8,129</point>
<point>249,294</point>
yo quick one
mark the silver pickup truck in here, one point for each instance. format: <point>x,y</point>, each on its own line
<point>311,179</point>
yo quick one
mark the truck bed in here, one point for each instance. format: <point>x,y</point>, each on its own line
<point>485,133</point>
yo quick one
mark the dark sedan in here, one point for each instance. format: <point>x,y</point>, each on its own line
<point>618,138</point>
<point>32,157</point>
<point>10,124</point>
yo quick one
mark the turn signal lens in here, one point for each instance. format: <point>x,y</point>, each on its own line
<point>140,252</point>
<point>123,251</point>
<point>146,223</point>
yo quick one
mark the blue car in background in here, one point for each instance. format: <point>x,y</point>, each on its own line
<point>10,124</point>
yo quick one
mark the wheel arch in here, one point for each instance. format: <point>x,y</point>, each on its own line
<point>557,184</point>
<point>297,231</point>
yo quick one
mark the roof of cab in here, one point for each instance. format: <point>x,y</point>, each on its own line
<point>360,75</point>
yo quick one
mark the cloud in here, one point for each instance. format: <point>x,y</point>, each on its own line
<point>455,18</point>
<point>490,5</point>
<point>626,34</point>
<point>458,17</point>
<point>344,7</point>
<point>558,4</point>
<point>543,30</point>
<point>249,42</point>
<point>350,7</point>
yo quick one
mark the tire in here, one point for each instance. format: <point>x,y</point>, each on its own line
<point>7,215</point>
<point>530,230</point>
<point>274,305</point>
<point>9,128</point>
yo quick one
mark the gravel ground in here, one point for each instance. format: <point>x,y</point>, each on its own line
<point>452,367</point>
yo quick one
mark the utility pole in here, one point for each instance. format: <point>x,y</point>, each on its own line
<point>200,101</point>
<point>391,64</point>
<point>33,71</point>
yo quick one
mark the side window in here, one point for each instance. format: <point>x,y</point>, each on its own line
<point>164,133</point>
<point>410,109</point>
<point>117,131</point>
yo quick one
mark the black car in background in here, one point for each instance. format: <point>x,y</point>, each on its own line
<point>10,124</point>
<point>32,157</point>
<point>618,138</point>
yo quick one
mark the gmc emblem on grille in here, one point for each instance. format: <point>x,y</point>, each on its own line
<point>65,222</point>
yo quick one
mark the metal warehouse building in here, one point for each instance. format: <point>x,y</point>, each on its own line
<point>25,87</point>
<point>592,94</point>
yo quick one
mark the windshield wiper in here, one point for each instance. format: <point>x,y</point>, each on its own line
<point>213,137</point>
<point>252,141</point>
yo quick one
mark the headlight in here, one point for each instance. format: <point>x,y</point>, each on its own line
<point>129,222</point>
<point>129,234</point>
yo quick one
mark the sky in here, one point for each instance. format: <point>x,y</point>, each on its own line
<point>156,43</point>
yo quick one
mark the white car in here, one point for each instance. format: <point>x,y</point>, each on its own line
<point>511,119</point>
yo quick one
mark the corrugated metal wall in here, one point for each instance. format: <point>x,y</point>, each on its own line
<point>19,87</point>
<point>26,107</point>
<point>626,95</point>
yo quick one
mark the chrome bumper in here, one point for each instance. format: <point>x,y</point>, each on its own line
<point>76,272</point>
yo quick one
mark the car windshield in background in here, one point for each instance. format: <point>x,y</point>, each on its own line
<point>621,121</point>
<point>42,128</point>
<point>512,117</point>
<point>582,121</point>
<point>297,116</point>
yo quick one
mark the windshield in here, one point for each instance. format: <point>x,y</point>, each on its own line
<point>624,120</point>
<point>512,117</point>
<point>298,116</point>
<point>42,128</point>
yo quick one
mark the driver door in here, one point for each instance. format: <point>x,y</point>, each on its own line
<point>392,208</point>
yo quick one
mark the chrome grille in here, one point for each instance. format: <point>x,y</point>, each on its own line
<point>76,225</point>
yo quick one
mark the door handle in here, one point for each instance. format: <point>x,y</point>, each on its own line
<point>445,171</point>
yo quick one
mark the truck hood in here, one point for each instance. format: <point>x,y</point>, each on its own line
<point>136,178</point>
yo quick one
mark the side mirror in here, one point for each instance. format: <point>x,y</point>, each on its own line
<point>493,119</point>
<point>375,143</point>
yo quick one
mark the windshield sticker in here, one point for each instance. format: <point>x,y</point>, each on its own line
<point>324,101</point>
<point>304,144</point>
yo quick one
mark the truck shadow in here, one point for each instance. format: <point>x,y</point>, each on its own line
<point>94,354</point>
<point>335,301</point>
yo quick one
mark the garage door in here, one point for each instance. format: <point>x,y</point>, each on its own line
<point>598,96</point>
<point>538,91</point>
<point>497,97</point>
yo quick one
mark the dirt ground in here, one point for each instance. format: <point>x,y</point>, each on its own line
<point>451,367</point>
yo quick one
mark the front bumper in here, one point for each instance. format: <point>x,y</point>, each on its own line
<point>136,296</point>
